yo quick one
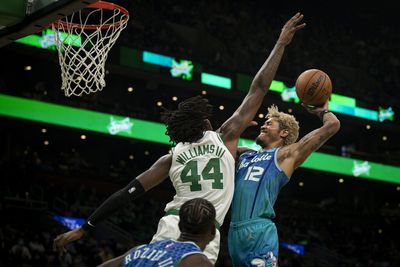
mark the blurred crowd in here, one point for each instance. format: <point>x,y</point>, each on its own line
<point>335,231</point>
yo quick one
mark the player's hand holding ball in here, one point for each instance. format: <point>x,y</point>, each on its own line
<point>313,88</point>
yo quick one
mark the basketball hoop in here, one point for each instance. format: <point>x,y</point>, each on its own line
<point>83,40</point>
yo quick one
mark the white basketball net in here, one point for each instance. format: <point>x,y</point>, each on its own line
<point>83,52</point>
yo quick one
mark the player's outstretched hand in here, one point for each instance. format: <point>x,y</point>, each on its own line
<point>290,28</point>
<point>62,240</point>
<point>316,110</point>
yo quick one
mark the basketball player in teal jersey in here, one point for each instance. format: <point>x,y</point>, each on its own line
<point>260,175</point>
<point>197,226</point>
<point>202,163</point>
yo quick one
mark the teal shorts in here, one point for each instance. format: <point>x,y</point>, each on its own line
<point>253,243</point>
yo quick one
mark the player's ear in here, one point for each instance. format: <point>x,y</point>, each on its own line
<point>284,133</point>
<point>213,232</point>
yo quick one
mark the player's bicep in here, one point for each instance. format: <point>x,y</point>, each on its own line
<point>157,173</point>
<point>310,143</point>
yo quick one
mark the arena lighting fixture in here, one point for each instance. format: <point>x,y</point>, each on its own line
<point>146,152</point>
<point>70,222</point>
<point>204,92</point>
<point>44,130</point>
<point>368,127</point>
<point>301,184</point>
<point>28,68</point>
<point>131,157</point>
<point>83,137</point>
<point>221,107</point>
<point>384,138</point>
<point>159,103</point>
<point>174,98</point>
<point>341,180</point>
<point>216,80</point>
<point>130,89</point>
<point>111,124</point>
<point>290,110</point>
<point>47,40</point>
<point>46,142</point>
<point>261,115</point>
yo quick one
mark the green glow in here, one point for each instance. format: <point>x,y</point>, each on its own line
<point>343,100</point>
<point>366,114</point>
<point>386,114</point>
<point>277,86</point>
<point>81,119</point>
<point>110,124</point>
<point>157,59</point>
<point>289,95</point>
<point>46,41</point>
<point>182,69</point>
<point>216,80</point>
<point>347,166</point>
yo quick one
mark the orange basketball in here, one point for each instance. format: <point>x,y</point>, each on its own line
<point>313,87</point>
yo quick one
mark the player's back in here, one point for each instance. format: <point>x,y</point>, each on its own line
<point>257,184</point>
<point>204,169</point>
<point>164,253</point>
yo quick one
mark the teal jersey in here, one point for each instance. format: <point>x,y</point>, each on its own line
<point>258,181</point>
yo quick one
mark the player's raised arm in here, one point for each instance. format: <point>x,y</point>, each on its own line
<point>242,117</point>
<point>292,156</point>
<point>142,183</point>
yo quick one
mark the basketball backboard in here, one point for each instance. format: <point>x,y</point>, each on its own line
<point>19,18</point>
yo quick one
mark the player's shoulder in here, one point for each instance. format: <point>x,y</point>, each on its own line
<point>196,259</point>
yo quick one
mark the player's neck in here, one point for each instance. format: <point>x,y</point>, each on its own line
<point>194,238</point>
<point>271,145</point>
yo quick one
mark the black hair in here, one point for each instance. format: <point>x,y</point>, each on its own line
<point>197,216</point>
<point>188,122</point>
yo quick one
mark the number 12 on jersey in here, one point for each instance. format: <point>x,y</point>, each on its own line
<point>212,171</point>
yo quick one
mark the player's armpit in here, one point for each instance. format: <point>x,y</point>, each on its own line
<point>198,260</point>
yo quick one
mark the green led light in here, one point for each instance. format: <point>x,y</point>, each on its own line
<point>157,59</point>
<point>110,124</point>
<point>216,80</point>
<point>182,69</point>
<point>277,86</point>
<point>47,40</point>
<point>82,119</point>
<point>386,114</point>
<point>366,113</point>
<point>343,100</point>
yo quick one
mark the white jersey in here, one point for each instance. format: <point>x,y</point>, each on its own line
<point>204,169</point>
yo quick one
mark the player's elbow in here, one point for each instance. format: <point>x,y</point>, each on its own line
<point>334,125</point>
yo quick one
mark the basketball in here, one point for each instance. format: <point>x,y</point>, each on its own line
<point>313,87</point>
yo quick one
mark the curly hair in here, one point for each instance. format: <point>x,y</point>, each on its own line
<point>189,121</point>
<point>196,216</point>
<point>286,122</point>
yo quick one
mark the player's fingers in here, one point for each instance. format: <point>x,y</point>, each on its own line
<point>297,17</point>
<point>298,27</point>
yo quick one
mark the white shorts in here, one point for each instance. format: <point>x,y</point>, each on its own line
<point>168,229</point>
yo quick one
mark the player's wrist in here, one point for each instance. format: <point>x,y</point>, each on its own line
<point>88,227</point>
<point>321,114</point>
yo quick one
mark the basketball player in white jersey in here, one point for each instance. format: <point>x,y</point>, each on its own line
<point>202,163</point>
